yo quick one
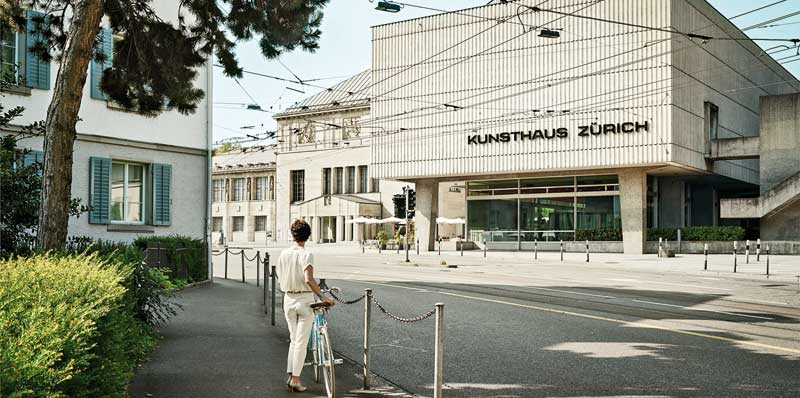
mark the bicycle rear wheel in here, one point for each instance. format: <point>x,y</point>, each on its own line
<point>326,353</point>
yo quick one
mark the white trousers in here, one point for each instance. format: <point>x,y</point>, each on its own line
<point>300,318</point>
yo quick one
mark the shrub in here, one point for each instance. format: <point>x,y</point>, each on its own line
<point>383,237</point>
<point>608,234</point>
<point>698,234</point>
<point>194,258</point>
<point>66,328</point>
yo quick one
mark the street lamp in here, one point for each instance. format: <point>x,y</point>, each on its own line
<point>388,6</point>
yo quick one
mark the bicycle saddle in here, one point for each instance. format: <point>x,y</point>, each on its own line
<point>320,304</point>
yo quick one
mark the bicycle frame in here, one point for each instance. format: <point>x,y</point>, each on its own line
<point>319,323</point>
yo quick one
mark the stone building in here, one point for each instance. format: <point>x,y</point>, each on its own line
<point>243,197</point>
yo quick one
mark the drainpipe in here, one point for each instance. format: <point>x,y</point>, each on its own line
<point>209,162</point>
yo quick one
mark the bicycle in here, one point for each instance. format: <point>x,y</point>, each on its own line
<point>320,343</point>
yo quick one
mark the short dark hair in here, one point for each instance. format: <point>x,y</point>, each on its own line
<point>300,231</point>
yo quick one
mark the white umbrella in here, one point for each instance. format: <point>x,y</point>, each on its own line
<point>358,220</point>
<point>443,220</point>
<point>372,221</point>
<point>392,220</point>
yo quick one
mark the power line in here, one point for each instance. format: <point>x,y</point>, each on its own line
<point>762,24</point>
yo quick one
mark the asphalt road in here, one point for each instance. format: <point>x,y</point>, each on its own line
<point>570,341</point>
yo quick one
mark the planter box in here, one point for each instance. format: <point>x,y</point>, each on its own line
<point>722,247</point>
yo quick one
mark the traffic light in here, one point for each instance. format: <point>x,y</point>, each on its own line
<point>412,202</point>
<point>399,201</point>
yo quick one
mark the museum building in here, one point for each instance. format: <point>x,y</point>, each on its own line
<point>617,115</point>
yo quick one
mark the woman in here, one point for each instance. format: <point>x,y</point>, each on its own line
<point>296,276</point>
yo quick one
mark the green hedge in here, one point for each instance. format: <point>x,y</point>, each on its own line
<point>610,234</point>
<point>697,234</point>
<point>69,327</point>
<point>194,258</point>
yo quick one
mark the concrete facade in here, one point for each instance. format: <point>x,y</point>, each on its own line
<point>106,131</point>
<point>649,107</point>
<point>253,169</point>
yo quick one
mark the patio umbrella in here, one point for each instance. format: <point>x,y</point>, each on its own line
<point>392,220</point>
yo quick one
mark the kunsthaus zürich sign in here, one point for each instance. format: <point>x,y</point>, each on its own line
<point>590,130</point>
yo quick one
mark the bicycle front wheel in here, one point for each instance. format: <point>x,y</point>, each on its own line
<point>315,350</point>
<point>326,353</point>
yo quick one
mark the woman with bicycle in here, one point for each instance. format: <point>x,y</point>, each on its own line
<point>296,276</point>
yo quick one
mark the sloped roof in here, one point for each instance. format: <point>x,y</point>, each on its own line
<point>352,92</point>
<point>251,157</point>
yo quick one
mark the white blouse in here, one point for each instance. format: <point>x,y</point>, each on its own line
<point>291,269</point>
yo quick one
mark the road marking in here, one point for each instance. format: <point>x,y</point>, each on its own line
<point>612,320</point>
<point>701,309</point>
<point>672,284</point>
<point>568,291</point>
<point>753,301</point>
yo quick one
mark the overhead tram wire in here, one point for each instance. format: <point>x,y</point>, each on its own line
<point>373,84</point>
<point>773,20</point>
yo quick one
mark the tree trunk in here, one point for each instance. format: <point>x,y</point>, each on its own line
<point>62,116</point>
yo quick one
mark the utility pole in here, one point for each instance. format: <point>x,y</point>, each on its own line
<point>408,194</point>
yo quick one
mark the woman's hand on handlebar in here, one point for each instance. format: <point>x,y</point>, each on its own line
<point>329,300</point>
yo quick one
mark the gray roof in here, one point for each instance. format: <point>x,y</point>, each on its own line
<point>352,92</point>
<point>250,157</point>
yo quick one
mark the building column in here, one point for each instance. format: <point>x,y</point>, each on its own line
<point>312,223</point>
<point>633,206</point>
<point>426,212</point>
<point>339,229</point>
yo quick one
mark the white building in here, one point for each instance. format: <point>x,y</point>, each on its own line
<point>243,197</point>
<point>576,116</point>
<point>323,166</point>
<point>142,175</point>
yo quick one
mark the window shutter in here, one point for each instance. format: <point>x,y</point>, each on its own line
<point>99,189</point>
<point>162,198</point>
<point>106,45</point>
<point>37,72</point>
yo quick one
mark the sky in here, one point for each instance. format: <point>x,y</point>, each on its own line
<point>345,50</point>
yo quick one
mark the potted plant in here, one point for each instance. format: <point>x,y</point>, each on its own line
<point>383,238</point>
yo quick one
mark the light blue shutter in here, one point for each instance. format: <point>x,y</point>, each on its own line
<point>106,39</point>
<point>99,189</point>
<point>37,72</point>
<point>162,198</point>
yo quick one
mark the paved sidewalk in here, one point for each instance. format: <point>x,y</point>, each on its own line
<point>221,345</point>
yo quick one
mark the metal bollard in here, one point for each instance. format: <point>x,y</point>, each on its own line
<point>266,283</point>
<point>367,320</point>
<point>758,250</point>
<point>258,267</point>
<point>462,248</point>
<point>660,246</point>
<point>587,250</point>
<point>484,248</point>
<point>679,240</point>
<point>226,263</point>
<point>272,296</point>
<point>735,246</point>
<point>767,259</point>
<point>243,281</point>
<point>535,249</point>
<point>747,252</point>
<point>398,247</point>
<point>562,250</point>
<point>440,246</point>
<point>362,247</point>
<point>417,246</point>
<point>705,257</point>
<point>439,353</point>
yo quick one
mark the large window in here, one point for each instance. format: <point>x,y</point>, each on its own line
<point>362,179</point>
<point>351,179</point>
<point>218,188</point>
<point>493,220</point>
<point>238,223</point>
<point>376,185</point>
<point>298,181</point>
<point>326,181</point>
<point>598,212</point>
<point>127,193</point>
<point>550,208</point>
<point>9,56</point>
<point>261,223</point>
<point>239,189</point>
<point>261,188</point>
<point>339,182</point>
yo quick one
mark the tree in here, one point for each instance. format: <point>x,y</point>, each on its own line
<point>154,65</point>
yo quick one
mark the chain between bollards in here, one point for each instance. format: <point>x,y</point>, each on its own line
<point>367,320</point>
<point>438,373</point>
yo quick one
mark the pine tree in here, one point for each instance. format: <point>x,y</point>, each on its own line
<point>154,67</point>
